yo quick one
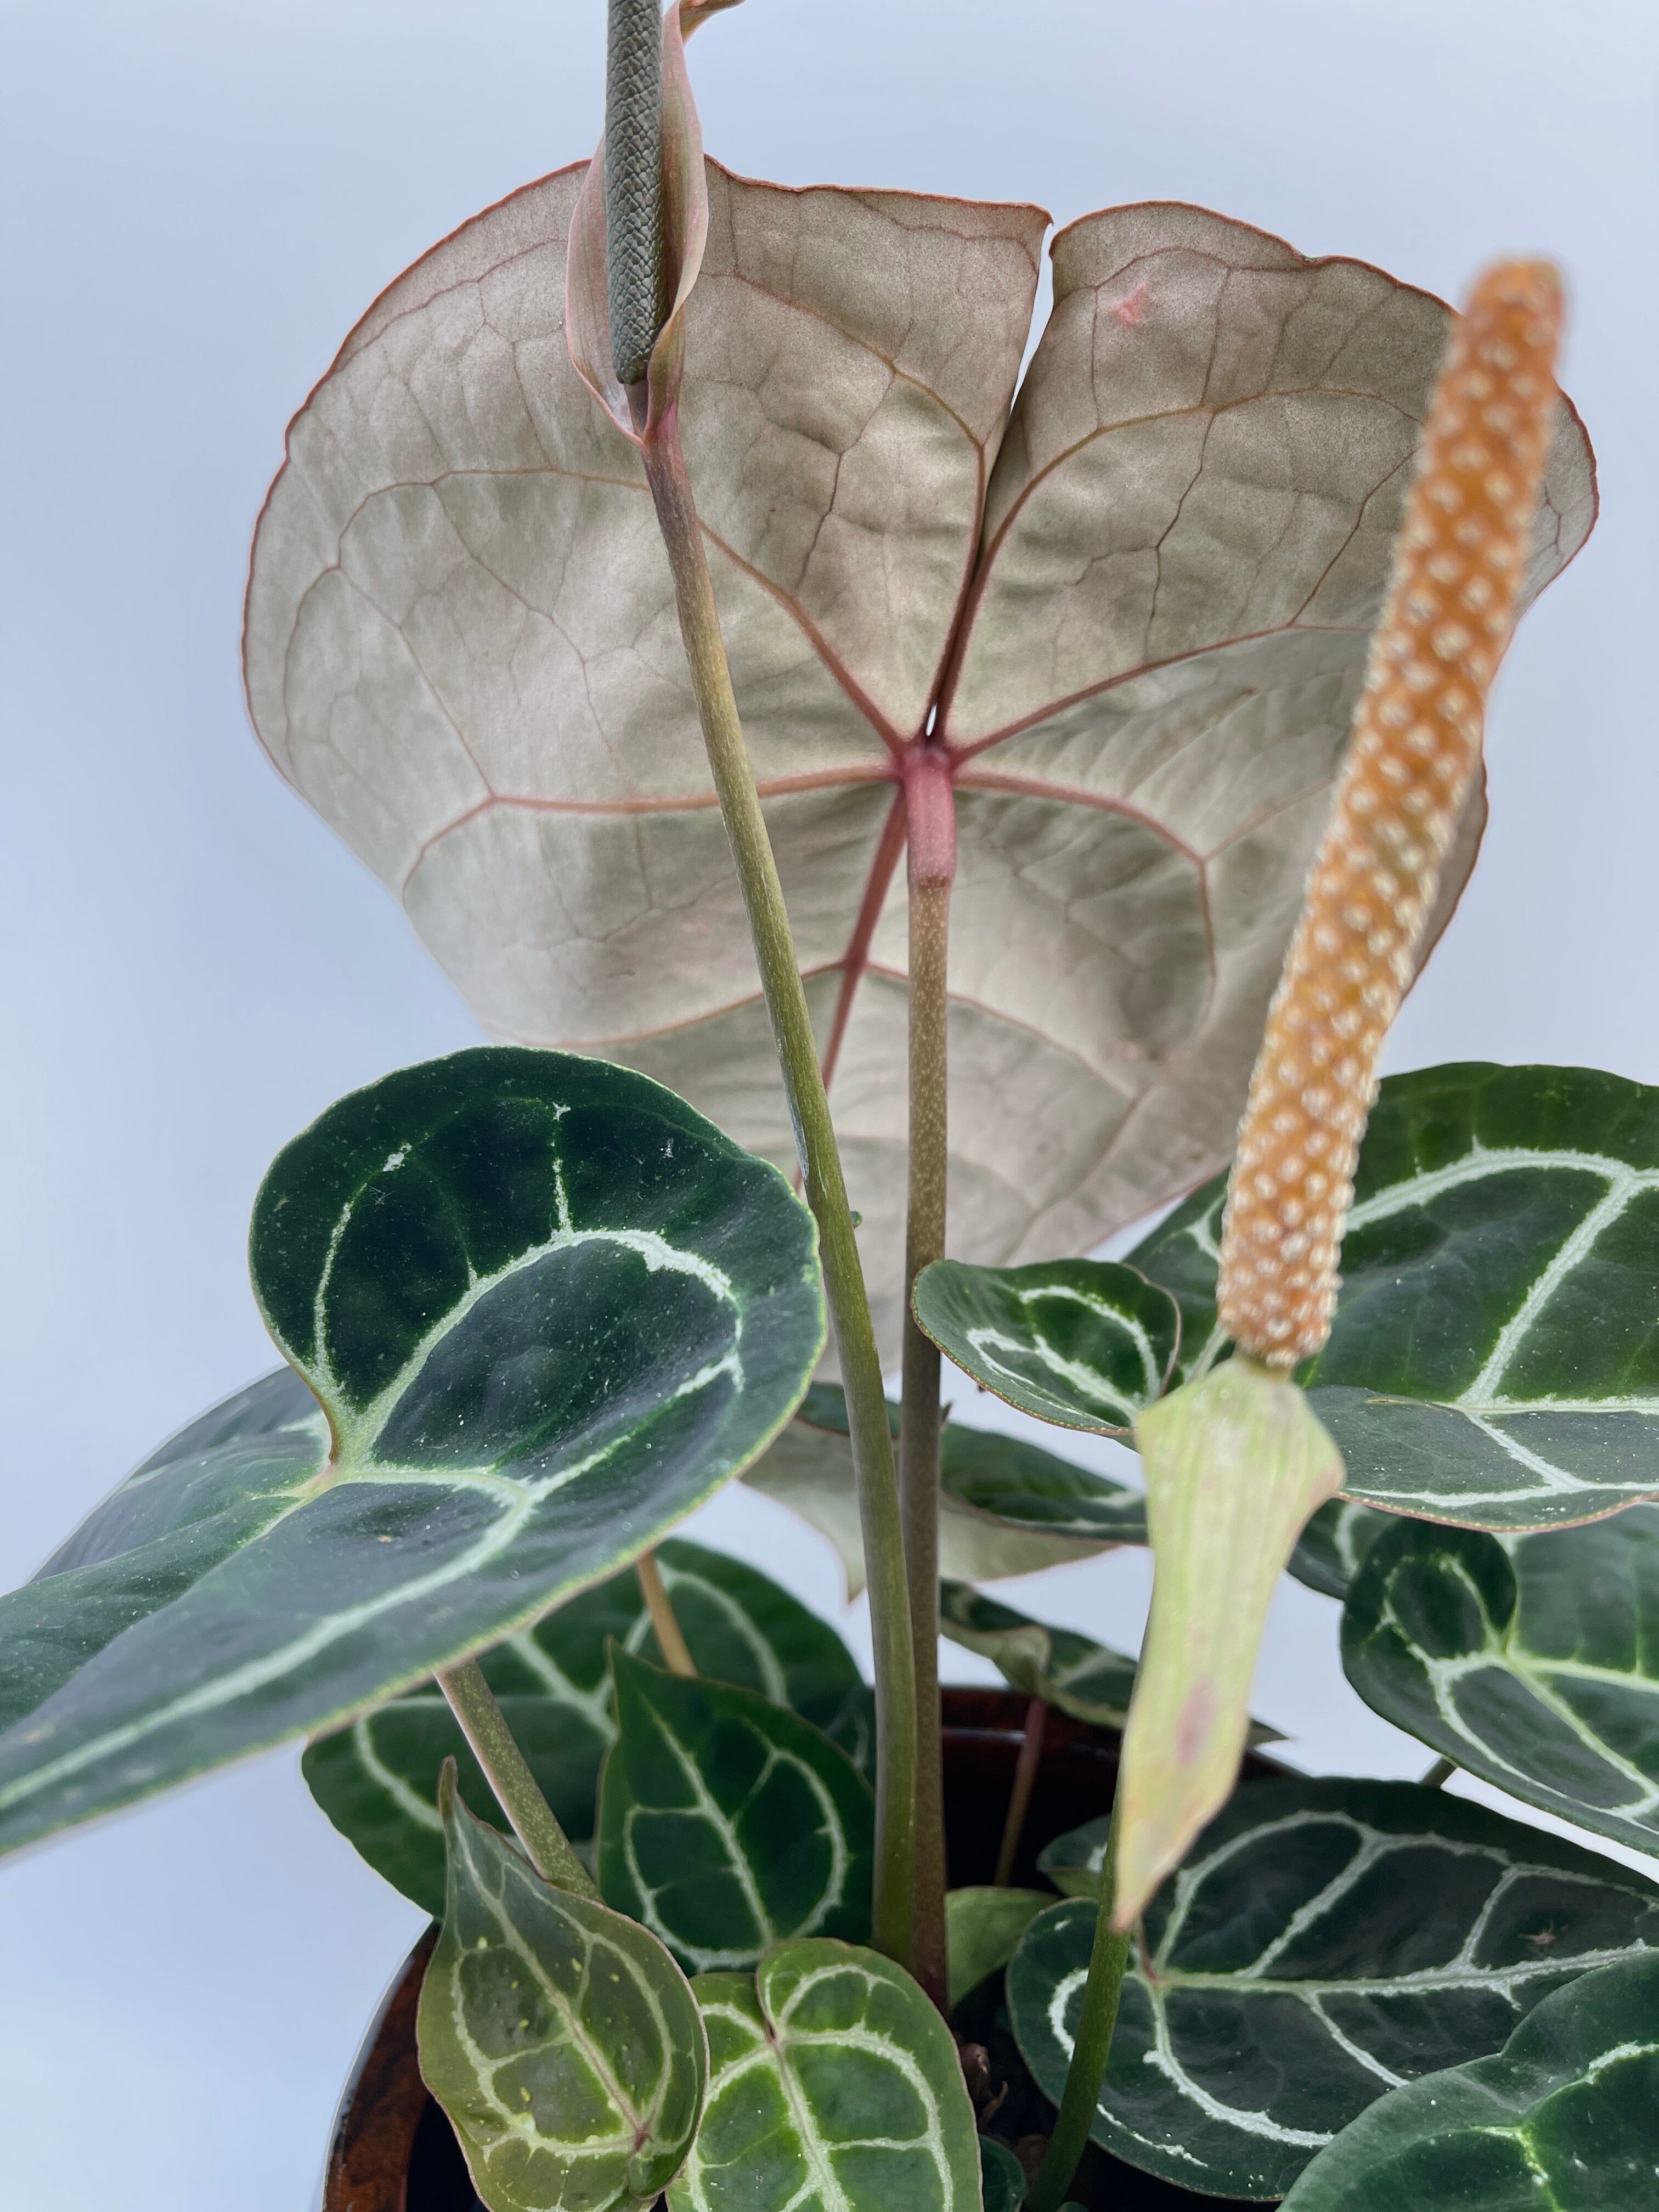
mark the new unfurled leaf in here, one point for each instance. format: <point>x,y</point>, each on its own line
<point>1006,1507</point>
<point>1562,2119</point>
<point>545,1309</point>
<point>377,1780</point>
<point>1530,1660</point>
<point>1492,1361</point>
<point>982,1927</point>
<point>561,2039</point>
<point>1134,613</point>
<point>1085,1343</point>
<point>832,2083</point>
<point>1235,1463</point>
<point>1002,2178</point>
<point>1324,1942</point>
<point>727,1824</point>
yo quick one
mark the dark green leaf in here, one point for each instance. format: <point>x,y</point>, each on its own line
<point>1533,1661</point>
<point>548,1310</point>
<point>562,2041</point>
<point>1331,1546</point>
<point>1081,1677</point>
<point>1002,2177</point>
<point>1085,1343</point>
<point>833,2086</point>
<point>982,1927</point>
<point>1494,1362</point>
<point>727,1824</point>
<point>1565,2118</point>
<point>1325,1940</point>
<point>1006,1507</point>
<point>377,1780</point>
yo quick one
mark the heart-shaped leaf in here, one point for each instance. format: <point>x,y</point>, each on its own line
<point>1325,1940</point>
<point>1530,1660</point>
<point>832,2083</point>
<point>728,1824</point>
<point>1562,2118</point>
<point>377,1780</point>
<point>562,2041</point>
<point>1136,623</point>
<point>1006,1507</point>
<point>1330,1549</point>
<point>1493,1362</point>
<point>982,1927</point>
<point>547,1310</point>
<point>1085,1343</point>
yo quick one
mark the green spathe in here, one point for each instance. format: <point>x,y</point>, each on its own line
<point>1234,1465</point>
<point>561,2039</point>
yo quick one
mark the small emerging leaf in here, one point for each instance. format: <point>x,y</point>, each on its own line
<point>728,1824</point>
<point>1002,2177</point>
<point>1532,1660</point>
<point>1325,1940</point>
<point>1565,2118</point>
<point>1088,1344</point>
<point>1235,1466</point>
<point>834,2087</point>
<point>982,1927</point>
<point>562,2041</point>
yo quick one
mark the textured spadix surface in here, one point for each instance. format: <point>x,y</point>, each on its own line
<point>1138,620</point>
<point>543,1309</point>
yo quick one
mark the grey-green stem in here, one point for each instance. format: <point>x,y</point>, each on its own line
<point>824,1186</point>
<point>1096,2021</point>
<point>508,1772</point>
<point>931,843</point>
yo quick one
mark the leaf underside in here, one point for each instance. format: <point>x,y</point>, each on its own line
<point>547,1310</point>
<point>377,1780</point>
<point>1531,1661</point>
<point>1493,1362</point>
<point>1325,1940</point>
<point>1135,610</point>
<point>562,2041</point>
<point>1561,2120</point>
<point>833,2086</point>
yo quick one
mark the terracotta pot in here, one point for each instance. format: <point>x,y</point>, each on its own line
<point>394,2150</point>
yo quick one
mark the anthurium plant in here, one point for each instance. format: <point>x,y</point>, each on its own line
<point>666,558</point>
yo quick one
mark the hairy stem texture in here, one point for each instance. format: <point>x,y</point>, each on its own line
<point>517,1790</point>
<point>1459,568</point>
<point>824,1185</point>
<point>931,842</point>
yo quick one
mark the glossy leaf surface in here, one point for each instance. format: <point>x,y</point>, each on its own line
<point>377,1780</point>
<point>1135,612</point>
<point>1563,2119</point>
<point>1530,1660</point>
<point>1325,1940</point>
<point>1493,1361</point>
<point>1330,1549</point>
<point>547,1311</point>
<point>562,2041</point>
<point>1006,1507</point>
<point>982,1927</point>
<point>1085,1343</point>
<point>833,2086</point>
<point>728,1824</point>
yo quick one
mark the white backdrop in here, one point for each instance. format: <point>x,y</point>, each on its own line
<point>200,198</point>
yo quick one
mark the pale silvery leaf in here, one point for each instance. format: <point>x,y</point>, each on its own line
<point>1138,623</point>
